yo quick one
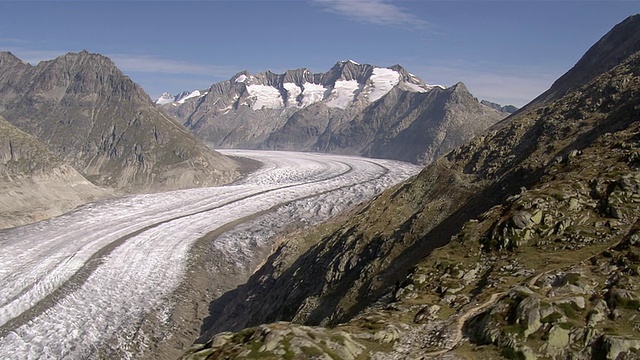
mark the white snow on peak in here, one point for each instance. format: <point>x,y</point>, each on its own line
<point>164,99</point>
<point>414,87</point>
<point>264,96</point>
<point>353,62</point>
<point>312,93</point>
<point>343,93</point>
<point>241,78</point>
<point>293,91</point>
<point>382,80</point>
<point>193,94</point>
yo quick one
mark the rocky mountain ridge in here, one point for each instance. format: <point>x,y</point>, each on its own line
<point>355,109</point>
<point>104,125</point>
<point>504,108</point>
<point>521,244</point>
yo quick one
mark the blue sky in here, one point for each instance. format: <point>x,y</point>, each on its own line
<point>504,51</point>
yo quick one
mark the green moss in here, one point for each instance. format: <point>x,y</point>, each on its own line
<point>518,329</point>
<point>624,303</point>
<point>372,326</point>
<point>311,351</point>
<point>336,338</point>
<point>512,354</point>
<point>572,278</point>
<point>567,325</point>
<point>289,354</point>
<point>244,335</point>
<point>552,318</point>
<point>570,310</point>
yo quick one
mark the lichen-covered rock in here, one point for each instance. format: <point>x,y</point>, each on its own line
<point>599,312</point>
<point>557,341</point>
<point>528,315</point>
<point>614,346</point>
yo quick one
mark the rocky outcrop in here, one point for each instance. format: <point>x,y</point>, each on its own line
<point>34,183</point>
<point>513,236</point>
<point>280,341</point>
<point>103,124</point>
<point>506,108</point>
<point>355,109</point>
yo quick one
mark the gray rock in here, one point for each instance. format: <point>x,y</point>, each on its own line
<point>521,220</point>
<point>616,345</point>
<point>598,313</point>
<point>387,335</point>
<point>528,315</point>
<point>557,341</point>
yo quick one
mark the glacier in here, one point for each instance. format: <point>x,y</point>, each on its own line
<point>74,283</point>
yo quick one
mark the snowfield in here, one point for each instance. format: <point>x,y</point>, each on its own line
<point>72,284</point>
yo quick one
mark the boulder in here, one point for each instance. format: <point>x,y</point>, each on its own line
<point>528,315</point>
<point>613,346</point>
<point>557,341</point>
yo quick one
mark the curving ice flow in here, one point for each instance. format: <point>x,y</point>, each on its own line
<point>71,283</point>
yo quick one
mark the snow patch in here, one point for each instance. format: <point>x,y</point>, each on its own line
<point>265,96</point>
<point>343,93</point>
<point>164,99</point>
<point>191,95</point>
<point>241,78</point>
<point>382,80</point>
<point>312,93</point>
<point>293,91</point>
<point>414,87</point>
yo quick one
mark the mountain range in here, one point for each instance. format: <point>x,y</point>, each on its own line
<point>355,109</point>
<point>88,116</point>
<point>520,244</point>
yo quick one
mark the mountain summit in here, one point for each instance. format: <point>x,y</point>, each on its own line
<point>353,108</point>
<point>104,125</point>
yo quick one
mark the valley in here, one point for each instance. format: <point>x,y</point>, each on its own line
<point>80,285</point>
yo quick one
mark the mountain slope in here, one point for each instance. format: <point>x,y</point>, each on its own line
<point>35,183</point>
<point>611,50</point>
<point>524,241</point>
<point>104,125</point>
<point>355,109</point>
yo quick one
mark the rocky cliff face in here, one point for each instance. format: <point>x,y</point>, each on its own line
<point>103,124</point>
<point>34,183</point>
<point>353,108</point>
<point>524,242</point>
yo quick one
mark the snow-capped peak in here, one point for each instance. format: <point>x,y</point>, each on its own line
<point>187,95</point>
<point>165,98</point>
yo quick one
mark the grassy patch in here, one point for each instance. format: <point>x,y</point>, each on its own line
<point>570,310</point>
<point>512,354</point>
